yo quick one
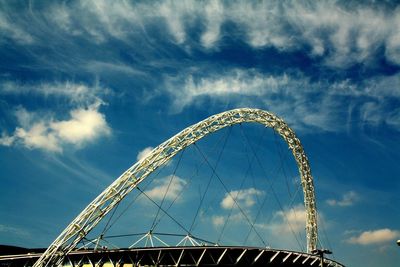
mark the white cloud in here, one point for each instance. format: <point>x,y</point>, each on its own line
<point>84,125</point>
<point>246,198</point>
<point>13,30</point>
<point>217,220</point>
<point>46,133</point>
<point>343,34</point>
<point>50,130</point>
<point>286,228</point>
<point>38,135</point>
<point>285,95</point>
<point>113,67</point>
<point>348,199</point>
<point>144,153</point>
<point>236,218</point>
<point>263,22</point>
<point>392,44</point>
<point>174,14</point>
<point>6,140</point>
<point>174,186</point>
<point>393,118</point>
<point>95,20</point>
<point>374,237</point>
<point>346,36</point>
<point>73,92</point>
<point>214,16</point>
<point>294,217</point>
<point>235,82</point>
<point>289,96</point>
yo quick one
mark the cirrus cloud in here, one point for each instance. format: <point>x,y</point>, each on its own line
<point>343,35</point>
<point>335,105</point>
<point>75,93</point>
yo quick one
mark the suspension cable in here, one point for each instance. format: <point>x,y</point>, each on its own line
<point>275,194</point>
<point>195,173</point>
<point>163,210</point>
<point>324,233</point>
<point>210,179</point>
<point>292,198</point>
<point>134,200</point>
<point>166,191</point>
<point>279,149</point>
<point>248,170</point>
<point>229,193</point>
<point>170,205</point>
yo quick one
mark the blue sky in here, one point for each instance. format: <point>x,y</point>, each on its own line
<point>85,86</point>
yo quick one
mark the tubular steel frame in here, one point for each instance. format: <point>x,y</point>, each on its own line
<point>132,177</point>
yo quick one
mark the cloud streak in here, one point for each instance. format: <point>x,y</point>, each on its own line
<point>75,93</point>
<point>10,29</point>
<point>14,231</point>
<point>304,103</point>
<point>343,35</point>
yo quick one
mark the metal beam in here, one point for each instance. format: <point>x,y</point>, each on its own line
<point>179,256</point>
<point>132,177</point>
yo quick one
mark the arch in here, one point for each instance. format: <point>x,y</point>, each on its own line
<point>131,178</point>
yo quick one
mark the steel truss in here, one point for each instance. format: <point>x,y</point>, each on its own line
<point>180,256</point>
<point>132,177</point>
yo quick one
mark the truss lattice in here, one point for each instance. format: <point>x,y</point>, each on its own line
<point>132,177</point>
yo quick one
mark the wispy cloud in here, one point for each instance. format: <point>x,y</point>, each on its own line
<point>288,220</point>
<point>76,93</point>
<point>340,33</point>
<point>343,35</point>
<point>235,82</point>
<point>304,103</point>
<point>100,67</point>
<point>10,29</point>
<point>13,230</point>
<point>214,17</point>
<point>348,199</point>
<point>374,237</point>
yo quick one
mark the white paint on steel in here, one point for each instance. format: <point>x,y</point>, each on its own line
<point>131,178</point>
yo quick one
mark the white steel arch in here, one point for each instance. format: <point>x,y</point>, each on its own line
<point>131,178</point>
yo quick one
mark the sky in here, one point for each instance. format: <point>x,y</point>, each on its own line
<point>89,87</point>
